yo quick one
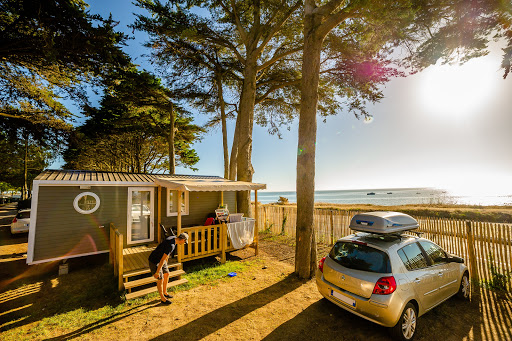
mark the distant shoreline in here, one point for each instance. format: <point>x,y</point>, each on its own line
<point>395,197</point>
<point>497,214</point>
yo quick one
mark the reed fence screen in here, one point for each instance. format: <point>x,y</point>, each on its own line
<point>485,247</point>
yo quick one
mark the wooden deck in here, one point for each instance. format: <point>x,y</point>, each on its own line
<point>135,273</point>
<point>131,265</point>
<point>136,258</point>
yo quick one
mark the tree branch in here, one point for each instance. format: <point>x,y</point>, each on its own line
<point>276,87</point>
<point>278,26</point>
<point>275,58</point>
<point>238,24</point>
<point>328,8</point>
<point>334,20</point>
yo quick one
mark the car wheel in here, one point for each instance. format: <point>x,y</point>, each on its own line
<point>465,287</point>
<point>405,328</point>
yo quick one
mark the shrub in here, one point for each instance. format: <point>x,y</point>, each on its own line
<point>283,201</point>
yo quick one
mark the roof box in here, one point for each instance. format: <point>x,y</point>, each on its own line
<point>383,222</point>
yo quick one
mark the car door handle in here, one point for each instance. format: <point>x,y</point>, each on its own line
<point>417,280</point>
<point>440,274</point>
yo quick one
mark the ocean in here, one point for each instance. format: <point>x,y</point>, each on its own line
<point>392,197</point>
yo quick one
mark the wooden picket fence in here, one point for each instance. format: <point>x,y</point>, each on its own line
<point>485,247</point>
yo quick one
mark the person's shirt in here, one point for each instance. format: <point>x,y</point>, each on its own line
<point>165,247</point>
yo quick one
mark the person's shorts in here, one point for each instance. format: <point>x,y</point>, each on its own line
<point>153,267</point>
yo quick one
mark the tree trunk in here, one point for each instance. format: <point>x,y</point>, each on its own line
<point>138,147</point>
<point>24,195</point>
<point>170,142</point>
<point>224,127</point>
<point>234,151</point>
<point>305,253</point>
<point>244,166</point>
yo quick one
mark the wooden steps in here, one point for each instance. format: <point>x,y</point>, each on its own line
<point>150,279</point>
<point>143,292</point>
<point>133,273</point>
<point>139,286</point>
<point>143,269</point>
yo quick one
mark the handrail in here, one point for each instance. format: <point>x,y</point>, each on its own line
<point>205,241</point>
<point>116,254</point>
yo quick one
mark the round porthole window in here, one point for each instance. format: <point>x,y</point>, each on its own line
<point>86,203</point>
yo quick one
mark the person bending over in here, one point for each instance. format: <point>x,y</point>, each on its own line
<point>158,263</point>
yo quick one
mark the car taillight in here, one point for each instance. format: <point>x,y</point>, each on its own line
<point>385,286</point>
<point>14,220</point>
<point>321,264</point>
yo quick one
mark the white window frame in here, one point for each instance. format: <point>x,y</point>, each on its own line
<point>174,214</point>
<point>80,196</point>
<point>129,215</point>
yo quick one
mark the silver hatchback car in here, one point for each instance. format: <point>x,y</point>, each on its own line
<point>387,276</point>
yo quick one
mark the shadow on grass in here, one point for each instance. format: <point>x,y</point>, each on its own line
<point>101,323</point>
<point>496,308</point>
<point>219,318</point>
<point>38,292</point>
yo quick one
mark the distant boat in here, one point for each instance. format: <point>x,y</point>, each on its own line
<point>371,193</point>
<point>418,193</point>
<point>390,192</point>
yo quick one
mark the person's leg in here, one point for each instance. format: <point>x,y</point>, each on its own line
<point>165,270</point>
<point>159,281</point>
<point>160,289</point>
<point>165,281</point>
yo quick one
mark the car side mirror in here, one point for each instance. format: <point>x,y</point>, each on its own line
<point>454,259</point>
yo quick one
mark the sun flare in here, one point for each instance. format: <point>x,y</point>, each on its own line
<point>454,91</point>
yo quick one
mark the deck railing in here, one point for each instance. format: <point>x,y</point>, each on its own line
<point>205,241</point>
<point>116,254</point>
<point>486,247</point>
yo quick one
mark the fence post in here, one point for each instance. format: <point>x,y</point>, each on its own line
<point>471,253</point>
<point>265,223</point>
<point>332,229</point>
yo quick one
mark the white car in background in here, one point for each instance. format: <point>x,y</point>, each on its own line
<point>137,213</point>
<point>21,222</point>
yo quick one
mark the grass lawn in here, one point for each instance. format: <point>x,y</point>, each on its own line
<point>48,306</point>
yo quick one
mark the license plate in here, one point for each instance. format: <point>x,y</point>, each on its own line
<point>343,298</point>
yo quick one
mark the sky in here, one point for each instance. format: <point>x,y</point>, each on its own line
<point>447,127</point>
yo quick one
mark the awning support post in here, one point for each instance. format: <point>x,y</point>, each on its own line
<point>159,214</point>
<point>224,241</point>
<point>180,247</point>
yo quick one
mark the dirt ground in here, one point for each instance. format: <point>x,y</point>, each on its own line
<point>266,302</point>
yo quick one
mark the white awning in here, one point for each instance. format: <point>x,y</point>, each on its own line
<point>208,185</point>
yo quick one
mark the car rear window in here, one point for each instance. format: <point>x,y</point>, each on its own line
<point>360,257</point>
<point>23,215</point>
